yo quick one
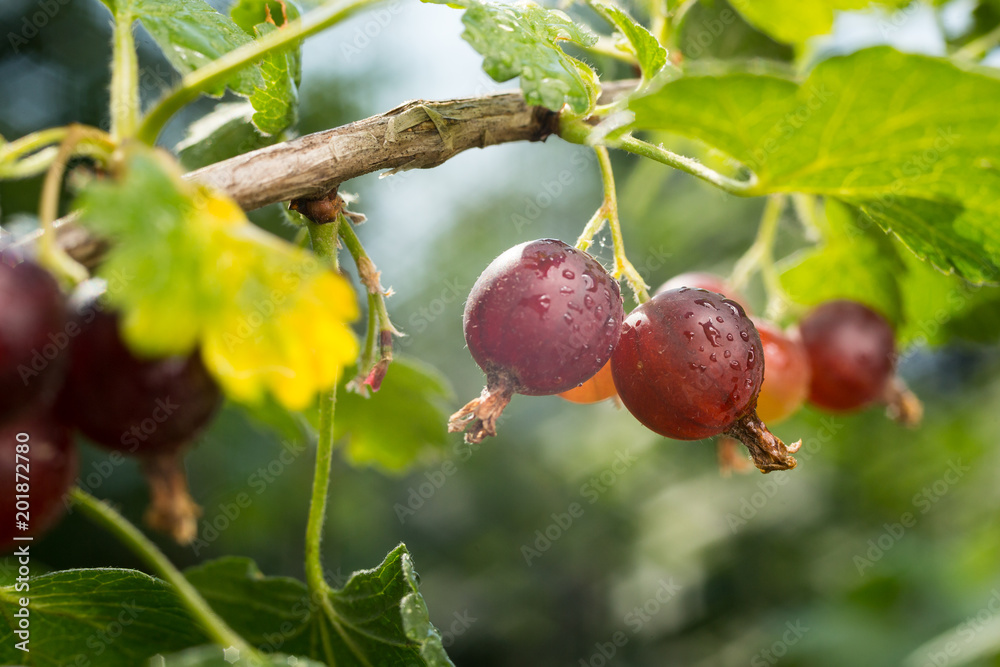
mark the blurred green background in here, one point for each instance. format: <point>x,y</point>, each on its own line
<point>669,563</point>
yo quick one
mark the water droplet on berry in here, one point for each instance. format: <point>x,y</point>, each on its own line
<point>727,354</point>
<point>572,305</point>
<point>688,315</point>
<point>568,275</point>
<point>588,301</point>
<point>735,365</point>
<point>713,357</point>
<point>706,303</point>
<point>689,335</point>
<point>540,303</point>
<point>729,336</point>
<point>744,335</point>
<point>568,318</point>
<point>566,290</point>
<point>588,282</point>
<point>720,320</point>
<point>711,333</point>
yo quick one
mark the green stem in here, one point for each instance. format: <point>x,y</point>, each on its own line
<point>102,513</point>
<point>365,267</point>
<point>578,132</point>
<point>324,238</point>
<point>760,255</point>
<point>979,47</point>
<point>223,68</point>
<point>15,150</point>
<point>33,154</point>
<point>124,78</point>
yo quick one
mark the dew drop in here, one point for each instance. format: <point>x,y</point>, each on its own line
<point>711,333</point>
<point>727,354</point>
<point>588,301</point>
<point>701,348</point>
<point>568,318</point>
<point>751,360</point>
<point>733,307</point>
<point>568,275</point>
<point>610,322</point>
<point>735,365</point>
<point>573,305</point>
<point>744,335</point>
<point>566,290</point>
<point>689,335</point>
<point>589,283</point>
<point>540,303</point>
<point>706,303</point>
<point>729,336</point>
<point>687,315</point>
<point>719,320</point>
<point>713,357</point>
<point>599,311</point>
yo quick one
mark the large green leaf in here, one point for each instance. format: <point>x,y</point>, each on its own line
<point>377,618</point>
<point>714,30</point>
<point>911,141</point>
<point>853,262</point>
<point>192,34</point>
<point>399,424</point>
<point>523,40</point>
<point>106,617</point>
<point>216,656</point>
<point>793,21</point>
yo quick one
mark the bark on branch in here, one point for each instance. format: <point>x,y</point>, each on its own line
<point>415,135</point>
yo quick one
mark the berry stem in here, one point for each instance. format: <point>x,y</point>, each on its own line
<point>102,513</point>
<point>124,76</point>
<point>609,211</point>
<point>223,68</point>
<point>33,154</point>
<point>769,453</point>
<point>52,256</point>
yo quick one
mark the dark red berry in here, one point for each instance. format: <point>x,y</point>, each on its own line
<point>32,338</point>
<point>138,406</point>
<point>541,319</point>
<point>705,281</point>
<point>690,365</point>
<point>50,466</point>
<point>852,352</point>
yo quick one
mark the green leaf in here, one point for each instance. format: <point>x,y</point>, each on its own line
<point>224,132</point>
<point>523,40</point>
<point>276,102</point>
<point>853,262</point>
<point>108,617</point>
<point>794,21</point>
<point>377,618</point>
<point>714,30</point>
<point>911,141</point>
<point>192,34</point>
<point>188,271</point>
<point>401,423</point>
<point>652,57</point>
<point>216,656</point>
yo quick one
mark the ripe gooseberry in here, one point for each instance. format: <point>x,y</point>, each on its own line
<point>541,319</point>
<point>852,353</point>
<point>32,318</point>
<point>598,388</point>
<point>50,465</point>
<point>786,382</point>
<point>149,408</point>
<point>705,281</point>
<point>689,365</point>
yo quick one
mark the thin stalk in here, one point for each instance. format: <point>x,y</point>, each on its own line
<point>17,149</point>
<point>579,132</point>
<point>217,629</point>
<point>50,253</point>
<point>124,77</point>
<point>33,154</point>
<point>221,69</point>
<point>324,238</point>
<point>979,47</point>
<point>368,273</point>
<point>760,256</point>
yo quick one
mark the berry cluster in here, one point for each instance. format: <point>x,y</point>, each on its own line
<point>545,318</point>
<point>63,368</point>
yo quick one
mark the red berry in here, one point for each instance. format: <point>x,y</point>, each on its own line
<point>705,281</point>
<point>786,382</point>
<point>50,470</point>
<point>598,388</point>
<point>541,319</point>
<point>689,365</point>
<point>140,406</point>
<point>32,318</point>
<point>852,353</point>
